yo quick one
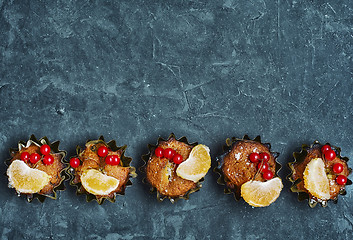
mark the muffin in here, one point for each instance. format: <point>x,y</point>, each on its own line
<point>100,170</point>
<point>36,169</point>
<point>176,168</point>
<point>319,174</point>
<point>249,169</point>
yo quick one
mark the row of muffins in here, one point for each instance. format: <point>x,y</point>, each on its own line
<point>174,168</point>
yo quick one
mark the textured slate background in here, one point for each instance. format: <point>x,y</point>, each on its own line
<point>136,70</point>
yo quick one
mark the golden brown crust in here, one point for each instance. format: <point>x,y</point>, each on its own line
<point>238,169</point>
<point>120,173</point>
<point>161,174</point>
<point>313,153</point>
<point>53,170</point>
<point>91,160</point>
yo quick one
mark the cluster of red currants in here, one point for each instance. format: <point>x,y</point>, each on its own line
<point>261,159</point>
<point>337,168</point>
<point>35,157</point>
<point>169,154</point>
<point>102,152</point>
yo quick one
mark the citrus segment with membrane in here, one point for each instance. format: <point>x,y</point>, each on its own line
<point>315,179</point>
<point>261,194</point>
<point>97,183</point>
<point>26,179</point>
<point>197,165</point>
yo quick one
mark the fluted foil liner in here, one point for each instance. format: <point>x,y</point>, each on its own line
<point>146,157</point>
<point>300,157</point>
<point>80,190</point>
<point>54,146</point>
<point>226,149</point>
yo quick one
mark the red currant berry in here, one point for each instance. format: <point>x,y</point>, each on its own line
<point>75,162</point>
<point>34,157</point>
<point>45,149</point>
<point>25,156</point>
<point>330,155</point>
<point>264,166</point>
<point>159,152</point>
<point>115,159</point>
<point>48,159</point>
<point>254,157</point>
<point>102,151</point>
<point>325,148</point>
<point>177,159</point>
<point>109,160</point>
<point>264,156</point>
<point>268,175</point>
<point>337,168</point>
<point>341,180</point>
<point>169,153</point>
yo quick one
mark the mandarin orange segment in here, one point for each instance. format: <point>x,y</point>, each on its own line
<point>197,165</point>
<point>261,194</point>
<point>97,183</point>
<point>315,179</point>
<point>25,179</point>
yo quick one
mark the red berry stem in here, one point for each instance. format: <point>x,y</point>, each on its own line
<point>259,169</point>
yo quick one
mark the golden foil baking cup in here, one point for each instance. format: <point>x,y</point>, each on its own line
<point>300,157</point>
<point>146,157</point>
<point>124,161</point>
<point>54,146</point>
<point>222,180</point>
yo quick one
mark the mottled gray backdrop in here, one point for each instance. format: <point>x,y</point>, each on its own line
<point>136,70</point>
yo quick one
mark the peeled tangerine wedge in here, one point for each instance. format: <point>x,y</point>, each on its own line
<point>261,194</point>
<point>197,165</point>
<point>25,179</point>
<point>315,179</point>
<point>98,183</point>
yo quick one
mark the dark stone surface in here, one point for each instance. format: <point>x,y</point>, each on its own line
<point>136,70</point>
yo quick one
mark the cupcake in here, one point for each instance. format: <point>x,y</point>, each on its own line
<point>319,174</point>
<point>249,169</point>
<point>176,168</point>
<point>36,169</point>
<point>100,170</point>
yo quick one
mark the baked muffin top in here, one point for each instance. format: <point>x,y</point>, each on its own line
<point>237,167</point>
<point>161,172</point>
<point>315,153</point>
